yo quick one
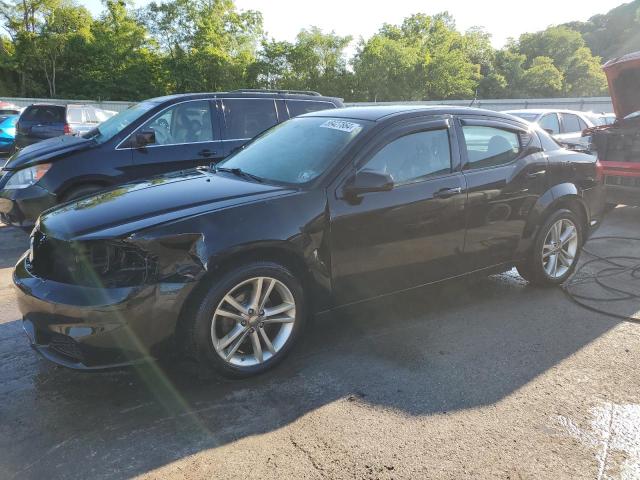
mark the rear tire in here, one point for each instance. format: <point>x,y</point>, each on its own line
<point>247,321</point>
<point>555,251</point>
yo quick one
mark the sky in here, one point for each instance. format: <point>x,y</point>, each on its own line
<point>283,19</point>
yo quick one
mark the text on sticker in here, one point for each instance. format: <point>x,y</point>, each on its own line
<point>341,125</point>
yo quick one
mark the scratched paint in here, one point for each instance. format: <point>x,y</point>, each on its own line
<point>614,428</point>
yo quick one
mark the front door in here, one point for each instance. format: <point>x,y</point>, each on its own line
<point>187,135</point>
<point>506,172</point>
<point>388,241</point>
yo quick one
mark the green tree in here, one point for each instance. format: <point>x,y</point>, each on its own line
<point>542,79</point>
<point>209,44</point>
<point>423,58</point>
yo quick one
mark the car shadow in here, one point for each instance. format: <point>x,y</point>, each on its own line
<point>431,351</point>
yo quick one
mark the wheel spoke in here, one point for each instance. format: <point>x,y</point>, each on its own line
<point>566,258</point>
<point>549,251</point>
<point>551,266</point>
<point>235,304</point>
<point>256,293</point>
<point>265,297</point>
<point>284,307</point>
<point>267,342</point>
<point>257,348</point>
<point>237,344</point>
<point>227,314</point>
<point>225,341</point>
<point>278,320</point>
<point>568,235</point>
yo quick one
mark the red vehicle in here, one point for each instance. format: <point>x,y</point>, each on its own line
<point>618,145</point>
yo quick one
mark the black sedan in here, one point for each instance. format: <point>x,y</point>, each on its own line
<point>322,211</point>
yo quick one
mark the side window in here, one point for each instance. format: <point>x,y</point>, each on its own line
<point>413,157</point>
<point>247,117</point>
<point>571,123</point>
<point>300,107</point>
<point>74,115</point>
<point>583,125</point>
<point>90,115</point>
<point>188,122</point>
<point>489,146</point>
<point>550,123</point>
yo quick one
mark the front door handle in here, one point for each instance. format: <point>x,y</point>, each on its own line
<point>206,153</point>
<point>447,192</point>
<point>537,174</point>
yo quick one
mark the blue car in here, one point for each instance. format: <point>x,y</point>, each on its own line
<point>7,132</point>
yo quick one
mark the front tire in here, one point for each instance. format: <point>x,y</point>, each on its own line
<point>555,251</point>
<point>248,320</point>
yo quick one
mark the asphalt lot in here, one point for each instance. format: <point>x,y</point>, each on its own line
<point>489,378</point>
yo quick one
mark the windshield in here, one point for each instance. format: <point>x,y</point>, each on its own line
<point>529,117</point>
<point>114,125</point>
<point>296,151</point>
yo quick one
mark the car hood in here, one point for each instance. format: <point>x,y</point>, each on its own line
<point>132,207</point>
<point>46,150</point>
<point>623,75</point>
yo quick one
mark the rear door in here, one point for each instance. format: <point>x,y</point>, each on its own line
<point>244,118</point>
<point>506,172</point>
<point>187,135</point>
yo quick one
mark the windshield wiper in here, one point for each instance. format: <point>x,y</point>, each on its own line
<point>237,172</point>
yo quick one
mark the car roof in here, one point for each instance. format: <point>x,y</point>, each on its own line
<point>540,111</point>
<point>380,112</point>
<point>284,94</point>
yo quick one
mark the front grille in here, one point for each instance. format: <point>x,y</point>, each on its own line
<point>619,181</point>
<point>65,345</point>
<point>96,264</point>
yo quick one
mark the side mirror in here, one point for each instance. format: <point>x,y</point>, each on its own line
<point>368,181</point>
<point>145,137</point>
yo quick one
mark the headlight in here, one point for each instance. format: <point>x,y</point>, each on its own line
<point>27,176</point>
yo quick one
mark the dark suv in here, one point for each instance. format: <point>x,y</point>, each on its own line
<point>155,136</point>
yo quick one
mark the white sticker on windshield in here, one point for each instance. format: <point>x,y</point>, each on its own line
<point>341,125</point>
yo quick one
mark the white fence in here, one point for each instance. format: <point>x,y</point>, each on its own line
<point>25,102</point>
<point>595,104</point>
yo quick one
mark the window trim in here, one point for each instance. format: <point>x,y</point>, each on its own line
<point>212,111</point>
<point>429,126</point>
<point>490,123</point>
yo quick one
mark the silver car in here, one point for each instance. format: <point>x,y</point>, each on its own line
<point>566,126</point>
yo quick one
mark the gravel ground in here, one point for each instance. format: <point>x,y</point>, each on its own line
<point>488,378</point>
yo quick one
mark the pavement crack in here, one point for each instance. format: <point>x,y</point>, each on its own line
<point>307,454</point>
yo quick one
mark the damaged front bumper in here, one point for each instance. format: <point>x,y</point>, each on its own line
<point>90,328</point>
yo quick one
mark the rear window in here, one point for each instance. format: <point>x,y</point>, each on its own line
<point>529,117</point>
<point>45,113</point>
<point>300,107</point>
<point>247,117</point>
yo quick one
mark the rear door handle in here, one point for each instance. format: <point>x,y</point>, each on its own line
<point>447,192</point>
<point>206,153</point>
<point>537,174</point>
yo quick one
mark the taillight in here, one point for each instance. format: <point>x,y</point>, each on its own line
<point>67,129</point>
<point>599,171</point>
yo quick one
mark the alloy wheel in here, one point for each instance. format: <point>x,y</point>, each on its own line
<point>253,321</point>
<point>560,248</point>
